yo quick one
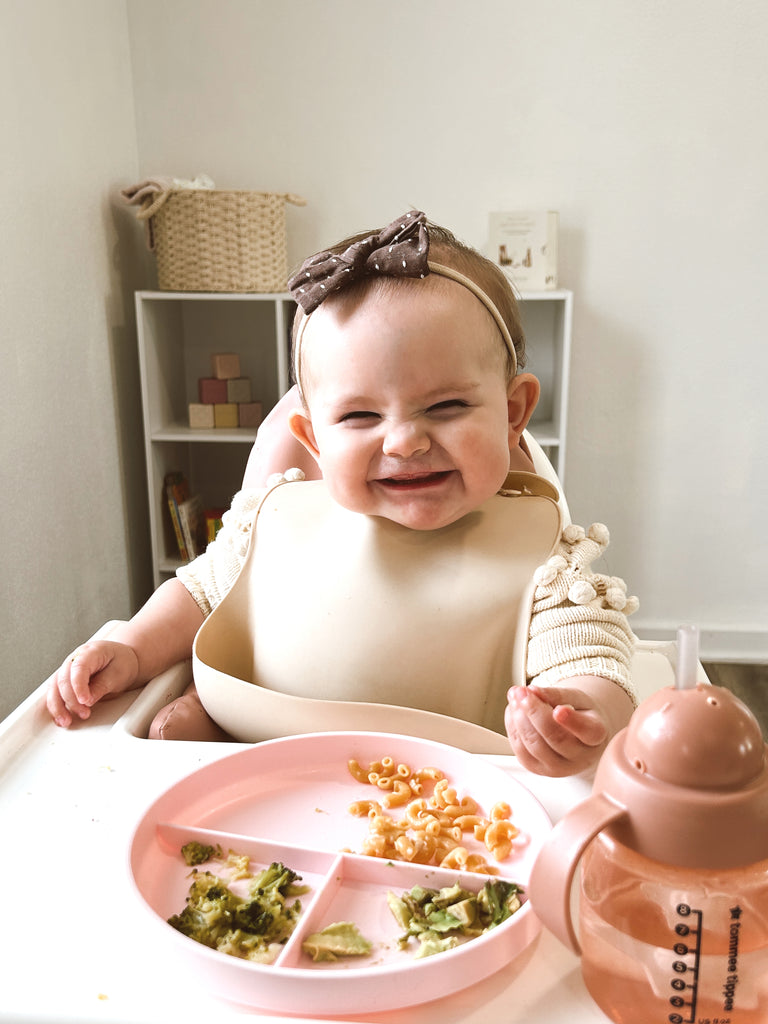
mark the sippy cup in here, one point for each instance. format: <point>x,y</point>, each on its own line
<point>673,845</point>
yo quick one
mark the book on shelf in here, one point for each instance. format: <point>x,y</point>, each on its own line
<point>186,515</point>
<point>176,493</point>
<point>213,517</point>
<point>524,244</point>
<point>193,528</point>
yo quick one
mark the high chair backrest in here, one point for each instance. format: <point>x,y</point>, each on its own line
<point>544,468</point>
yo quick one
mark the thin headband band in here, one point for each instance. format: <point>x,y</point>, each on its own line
<point>487,301</point>
<point>401,249</point>
<point>441,271</point>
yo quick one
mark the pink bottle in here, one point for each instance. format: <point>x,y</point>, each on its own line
<point>673,846</point>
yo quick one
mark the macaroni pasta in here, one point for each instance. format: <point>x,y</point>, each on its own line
<point>434,827</point>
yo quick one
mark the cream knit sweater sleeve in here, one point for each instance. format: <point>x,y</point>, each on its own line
<point>579,622</point>
<point>210,577</point>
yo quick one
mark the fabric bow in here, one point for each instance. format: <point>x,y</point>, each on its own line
<point>398,250</point>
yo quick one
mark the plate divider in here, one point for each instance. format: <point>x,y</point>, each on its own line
<point>310,915</point>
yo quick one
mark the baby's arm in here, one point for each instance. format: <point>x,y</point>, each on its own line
<point>580,647</point>
<point>157,637</point>
<point>563,730</point>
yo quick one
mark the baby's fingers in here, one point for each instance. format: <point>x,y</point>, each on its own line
<point>541,744</point>
<point>585,726</point>
<point>72,690</point>
<point>574,711</point>
<point>61,699</point>
<point>538,723</point>
<point>57,708</point>
<point>82,665</point>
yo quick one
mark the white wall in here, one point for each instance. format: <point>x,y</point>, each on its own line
<point>643,124</point>
<point>70,475</point>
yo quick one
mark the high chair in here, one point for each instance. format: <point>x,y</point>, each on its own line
<point>544,468</point>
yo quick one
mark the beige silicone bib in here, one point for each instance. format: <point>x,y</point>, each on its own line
<point>345,621</point>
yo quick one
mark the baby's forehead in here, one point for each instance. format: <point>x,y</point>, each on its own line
<point>397,319</point>
<point>433,294</point>
<point>351,317</point>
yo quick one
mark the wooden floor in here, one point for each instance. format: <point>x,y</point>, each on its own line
<point>748,682</point>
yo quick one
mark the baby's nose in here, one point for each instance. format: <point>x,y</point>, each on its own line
<point>405,439</point>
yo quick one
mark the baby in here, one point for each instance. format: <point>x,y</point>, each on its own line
<point>408,356</point>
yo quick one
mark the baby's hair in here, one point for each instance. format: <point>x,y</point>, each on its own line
<point>446,249</point>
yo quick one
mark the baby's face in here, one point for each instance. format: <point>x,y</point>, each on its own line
<point>408,403</point>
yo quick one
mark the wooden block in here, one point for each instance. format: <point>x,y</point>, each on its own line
<point>200,416</point>
<point>225,414</point>
<point>249,414</point>
<point>211,390</point>
<point>225,365</point>
<point>238,390</point>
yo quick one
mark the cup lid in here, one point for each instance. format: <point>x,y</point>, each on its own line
<point>692,773</point>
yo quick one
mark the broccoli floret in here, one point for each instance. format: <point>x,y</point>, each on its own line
<point>248,947</point>
<point>198,853</point>
<point>277,878</point>
<point>238,865</point>
<point>245,927</point>
<point>209,912</point>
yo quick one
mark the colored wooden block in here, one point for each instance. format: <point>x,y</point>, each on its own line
<point>225,414</point>
<point>238,389</point>
<point>211,390</point>
<point>200,416</point>
<point>225,365</point>
<point>249,414</point>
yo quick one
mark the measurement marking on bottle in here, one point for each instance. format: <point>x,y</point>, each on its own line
<point>685,984</point>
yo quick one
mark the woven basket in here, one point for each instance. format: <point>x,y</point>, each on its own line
<point>210,240</point>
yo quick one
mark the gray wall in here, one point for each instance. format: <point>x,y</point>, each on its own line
<point>75,547</point>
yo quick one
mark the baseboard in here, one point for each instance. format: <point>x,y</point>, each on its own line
<point>748,646</point>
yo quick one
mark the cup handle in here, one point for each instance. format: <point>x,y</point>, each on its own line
<point>549,888</point>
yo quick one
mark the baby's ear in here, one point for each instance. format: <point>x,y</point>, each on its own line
<point>300,424</point>
<point>522,397</point>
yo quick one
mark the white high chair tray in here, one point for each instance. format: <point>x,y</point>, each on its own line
<point>288,801</point>
<point>70,801</point>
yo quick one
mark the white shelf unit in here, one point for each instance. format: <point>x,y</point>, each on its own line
<point>179,331</point>
<point>547,318</point>
<point>177,334</point>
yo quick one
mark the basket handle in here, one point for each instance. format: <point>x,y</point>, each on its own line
<point>150,209</point>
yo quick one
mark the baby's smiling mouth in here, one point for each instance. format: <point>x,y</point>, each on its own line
<point>414,481</point>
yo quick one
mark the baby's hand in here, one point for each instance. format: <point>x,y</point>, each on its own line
<point>96,669</point>
<point>555,731</point>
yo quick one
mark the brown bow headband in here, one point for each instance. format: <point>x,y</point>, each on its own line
<point>399,250</point>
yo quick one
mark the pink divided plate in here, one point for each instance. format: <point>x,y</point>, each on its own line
<point>287,800</point>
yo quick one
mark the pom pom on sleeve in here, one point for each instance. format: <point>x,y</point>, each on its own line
<point>579,620</point>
